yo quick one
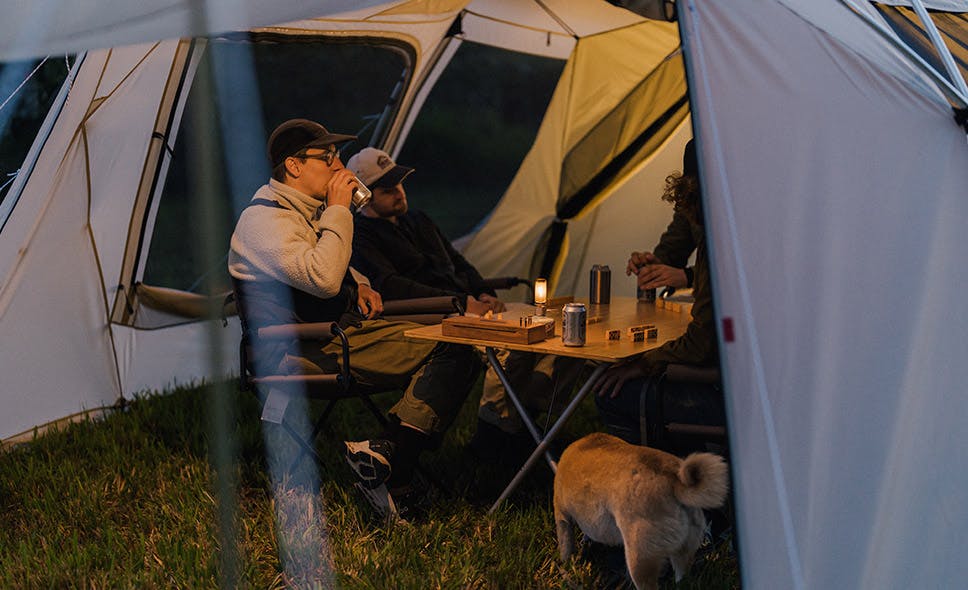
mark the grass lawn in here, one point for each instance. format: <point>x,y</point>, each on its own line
<point>131,501</point>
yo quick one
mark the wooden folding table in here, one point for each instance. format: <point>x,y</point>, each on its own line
<point>620,314</point>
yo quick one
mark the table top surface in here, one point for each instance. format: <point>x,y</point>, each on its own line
<point>621,314</point>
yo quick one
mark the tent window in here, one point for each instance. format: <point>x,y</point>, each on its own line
<point>474,130</point>
<point>345,86</point>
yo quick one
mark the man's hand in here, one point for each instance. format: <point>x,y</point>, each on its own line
<point>614,378</point>
<point>475,306</point>
<point>639,259</point>
<point>496,305</point>
<point>651,276</point>
<point>370,302</point>
<point>339,189</point>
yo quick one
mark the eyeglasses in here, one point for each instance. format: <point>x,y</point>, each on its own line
<point>328,156</point>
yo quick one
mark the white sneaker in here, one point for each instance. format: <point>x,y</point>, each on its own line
<point>370,460</point>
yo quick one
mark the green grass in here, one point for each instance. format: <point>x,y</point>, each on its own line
<point>129,501</point>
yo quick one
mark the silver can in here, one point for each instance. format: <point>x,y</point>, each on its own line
<point>600,284</point>
<point>573,321</point>
<point>361,195</point>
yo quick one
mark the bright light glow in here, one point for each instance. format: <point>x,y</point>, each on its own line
<point>540,291</point>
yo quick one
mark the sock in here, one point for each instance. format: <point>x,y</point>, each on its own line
<point>409,443</point>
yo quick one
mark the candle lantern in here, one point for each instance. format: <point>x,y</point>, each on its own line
<point>540,295</point>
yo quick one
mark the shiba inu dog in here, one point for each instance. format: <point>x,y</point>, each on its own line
<point>645,499</point>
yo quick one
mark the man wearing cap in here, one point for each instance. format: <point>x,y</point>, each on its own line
<point>290,262</point>
<point>406,255</point>
<point>403,251</point>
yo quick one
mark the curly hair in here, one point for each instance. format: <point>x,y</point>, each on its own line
<point>683,192</point>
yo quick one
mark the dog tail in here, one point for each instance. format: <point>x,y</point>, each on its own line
<point>703,481</point>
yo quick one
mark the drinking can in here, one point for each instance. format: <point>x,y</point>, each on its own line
<point>600,284</point>
<point>361,195</point>
<point>573,320</point>
<point>646,295</point>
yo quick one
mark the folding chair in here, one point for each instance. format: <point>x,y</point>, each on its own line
<point>659,431</point>
<point>500,283</point>
<point>329,387</point>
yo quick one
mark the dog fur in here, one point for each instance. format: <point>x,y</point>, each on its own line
<point>645,499</point>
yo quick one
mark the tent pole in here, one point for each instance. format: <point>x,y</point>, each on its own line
<point>949,62</point>
<point>953,94</point>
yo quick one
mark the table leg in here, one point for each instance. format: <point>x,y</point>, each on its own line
<point>528,423</point>
<point>546,441</point>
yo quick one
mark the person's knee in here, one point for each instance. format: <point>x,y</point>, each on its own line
<point>460,353</point>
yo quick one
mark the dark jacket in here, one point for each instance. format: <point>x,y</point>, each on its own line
<point>698,345</point>
<point>412,258</point>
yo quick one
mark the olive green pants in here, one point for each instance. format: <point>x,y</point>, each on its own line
<point>542,382</point>
<point>436,377</point>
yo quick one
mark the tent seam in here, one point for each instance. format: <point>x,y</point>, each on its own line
<point>518,25</point>
<point>138,211</point>
<point>97,262</point>
<point>105,97</point>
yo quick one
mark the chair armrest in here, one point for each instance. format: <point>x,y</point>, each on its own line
<point>497,283</point>
<point>445,304</point>
<point>312,331</point>
<point>692,374</point>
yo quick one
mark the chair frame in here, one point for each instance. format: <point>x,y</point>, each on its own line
<point>329,387</point>
<point>656,432</point>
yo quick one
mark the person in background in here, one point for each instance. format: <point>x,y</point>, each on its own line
<point>290,261</point>
<point>406,255</point>
<point>622,390</point>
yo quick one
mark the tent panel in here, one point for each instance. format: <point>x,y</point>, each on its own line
<point>511,35</point>
<point>57,357</point>
<point>118,136</point>
<point>630,218</point>
<point>838,20</point>
<point>579,19</point>
<point>155,360</point>
<point>634,128</point>
<point>35,197</point>
<point>606,75</point>
<point>586,89</point>
<point>860,187</point>
<point>420,8</point>
<point>31,29</point>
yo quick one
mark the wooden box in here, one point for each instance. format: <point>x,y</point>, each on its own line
<point>497,330</point>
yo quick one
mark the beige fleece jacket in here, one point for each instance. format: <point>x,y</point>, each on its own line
<point>271,243</point>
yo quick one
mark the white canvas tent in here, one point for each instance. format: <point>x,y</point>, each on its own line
<point>98,168</point>
<point>835,184</point>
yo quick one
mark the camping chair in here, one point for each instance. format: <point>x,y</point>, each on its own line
<point>500,283</point>
<point>330,387</point>
<point>660,433</point>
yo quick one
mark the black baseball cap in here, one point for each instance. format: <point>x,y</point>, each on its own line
<point>296,135</point>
